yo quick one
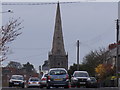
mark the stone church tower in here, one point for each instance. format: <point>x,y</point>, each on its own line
<point>57,56</point>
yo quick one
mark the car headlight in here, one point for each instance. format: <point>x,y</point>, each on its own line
<point>22,81</point>
<point>88,79</point>
<point>75,79</point>
<point>10,80</point>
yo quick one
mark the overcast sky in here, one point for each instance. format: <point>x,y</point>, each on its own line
<point>59,0</point>
<point>93,23</point>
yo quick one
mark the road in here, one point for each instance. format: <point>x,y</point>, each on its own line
<point>107,88</point>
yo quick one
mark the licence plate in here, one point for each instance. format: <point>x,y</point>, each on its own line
<point>16,83</point>
<point>57,79</point>
<point>82,82</point>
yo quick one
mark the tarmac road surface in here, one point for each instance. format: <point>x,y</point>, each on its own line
<point>17,88</point>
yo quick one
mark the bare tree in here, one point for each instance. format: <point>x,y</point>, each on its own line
<point>8,33</point>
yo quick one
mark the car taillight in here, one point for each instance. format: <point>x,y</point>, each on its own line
<point>49,77</point>
<point>28,82</point>
<point>43,78</point>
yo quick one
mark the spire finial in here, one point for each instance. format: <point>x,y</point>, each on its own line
<point>58,4</point>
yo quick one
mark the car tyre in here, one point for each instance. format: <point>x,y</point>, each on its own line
<point>73,85</point>
<point>48,86</point>
<point>87,86</point>
<point>78,86</point>
<point>66,87</point>
<point>41,86</point>
<point>23,86</point>
<point>10,85</point>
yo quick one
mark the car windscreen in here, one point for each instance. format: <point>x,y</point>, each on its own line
<point>79,74</point>
<point>17,77</point>
<point>57,72</point>
<point>45,75</point>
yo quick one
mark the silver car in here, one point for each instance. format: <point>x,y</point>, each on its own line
<point>80,78</point>
<point>57,77</point>
<point>33,82</point>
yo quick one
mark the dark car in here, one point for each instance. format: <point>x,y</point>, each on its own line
<point>57,77</point>
<point>80,78</point>
<point>43,81</point>
<point>17,80</point>
<point>93,82</point>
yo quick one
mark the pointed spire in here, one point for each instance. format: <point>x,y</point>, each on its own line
<point>58,43</point>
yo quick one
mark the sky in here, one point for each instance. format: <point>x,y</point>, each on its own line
<point>59,0</point>
<point>92,23</point>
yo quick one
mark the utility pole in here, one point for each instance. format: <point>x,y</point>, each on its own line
<point>78,55</point>
<point>117,49</point>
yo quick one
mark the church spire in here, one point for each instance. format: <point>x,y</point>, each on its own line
<point>58,43</point>
<point>57,57</point>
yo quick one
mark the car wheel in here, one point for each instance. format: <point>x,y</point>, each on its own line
<point>57,87</point>
<point>10,85</point>
<point>48,86</point>
<point>41,86</point>
<point>73,85</point>
<point>67,86</point>
<point>78,86</point>
<point>23,86</point>
<point>87,86</point>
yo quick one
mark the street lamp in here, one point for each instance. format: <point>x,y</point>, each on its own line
<point>1,56</point>
<point>8,11</point>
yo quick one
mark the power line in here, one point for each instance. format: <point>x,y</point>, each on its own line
<point>43,3</point>
<point>35,3</point>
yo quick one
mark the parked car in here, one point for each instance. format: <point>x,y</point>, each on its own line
<point>33,82</point>
<point>17,80</point>
<point>43,81</point>
<point>57,77</point>
<point>93,82</point>
<point>80,78</point>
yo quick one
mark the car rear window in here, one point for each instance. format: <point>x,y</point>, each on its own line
<point>45,75</point>
<point>57,72</point>
<point>79,74</point>
<point>34,79</point>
